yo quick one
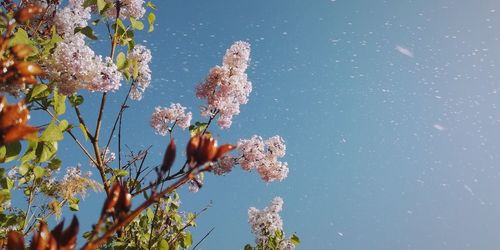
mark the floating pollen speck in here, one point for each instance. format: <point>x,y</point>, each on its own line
<point>439,127</point>
<point>404,51</point>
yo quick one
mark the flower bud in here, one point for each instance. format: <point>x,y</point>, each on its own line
<point>169,158</point>
<point>27,13</point>
<point>15,241</point>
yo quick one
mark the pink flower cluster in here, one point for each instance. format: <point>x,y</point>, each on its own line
<point>263,156</point>
<point>265,223</point>
<point>175,114</point>
<point>74,65</point>
<point>142,56</point>
<point>227,86</point>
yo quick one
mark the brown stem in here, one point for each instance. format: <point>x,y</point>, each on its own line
<point>95,143</point>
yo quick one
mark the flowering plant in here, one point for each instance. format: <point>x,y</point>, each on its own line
<point>47,64</point>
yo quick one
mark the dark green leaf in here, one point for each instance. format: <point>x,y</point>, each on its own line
<point>45,151</point>
<point>89,3</point>
<point>10,151</point>
<point>87,31</point>
<point>39,91</point>
<point>295,239</point>
<point>54,164</point>
<point>76,100</point>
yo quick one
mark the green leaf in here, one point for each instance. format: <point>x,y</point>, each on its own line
<point>151,21</point>
<point>59,103</point>
<point>20,37</point>
<point>197,128</point>
<point>39,172</point>
<point>30,153</point>
<point>101,5</point>
<point>163,245</point>
<point>74,207</point>
<point>76,100</point>
<point>121,61</point>
<point>87,31</point>
<point>121,172</point>
<point>73,204</point>
<point>248,247</point>
<point>188,240</point>
<point>4,195</point>
<point>38,92</point>
<point>136,24</point>
<point>24,169</point>
<point>45,151</point>
<point>151,5</point>
<point>84,131</point>
<point>295,239</point>
<point>52,133</point>
<point>150,214</point>
<point>88,3</point>
<point>10,151</point>
<point>54,164</point>
<point>64,125</point>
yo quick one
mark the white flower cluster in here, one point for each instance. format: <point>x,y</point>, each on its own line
<point>263,156</point>
<point>265,223</point>
<point>128,9</point>
<point>74,65</point>
<point>142,56</point>
<point>227,86</point>
<point>175,114</point>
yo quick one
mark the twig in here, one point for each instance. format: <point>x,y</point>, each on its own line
<point>204,237</point>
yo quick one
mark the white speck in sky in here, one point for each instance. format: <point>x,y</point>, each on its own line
<point>405,51</point>
<point>340,233</point>
<point>468,189</point>
<point>439,127</point>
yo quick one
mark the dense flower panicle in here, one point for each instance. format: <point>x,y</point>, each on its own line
<point>237,56</point>
<point>75,66</point>
<point>227,86</point>
<point>263,156</point>
<point>74,183</point>
<point>163,117</point>
<point>224,165</point>
<point>74,15</point>
<point>252,151</point>
<point>129,9</point>
<point>266,222</point>
<point>142,56</point>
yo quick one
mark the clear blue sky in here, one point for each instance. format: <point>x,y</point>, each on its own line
<point>386,150</point>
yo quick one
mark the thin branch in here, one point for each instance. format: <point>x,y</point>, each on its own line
<point>204,237</point>
<point>70,133</point>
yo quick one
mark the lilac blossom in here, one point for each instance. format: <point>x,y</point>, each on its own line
<point>129,9</point>
<point>163,118</point>
<point>227,86</point>
<point>266,222</point>
<point>262,155</point>
<point>142,56</point>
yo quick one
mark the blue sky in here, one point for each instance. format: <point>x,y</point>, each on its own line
<point>386,150</point>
